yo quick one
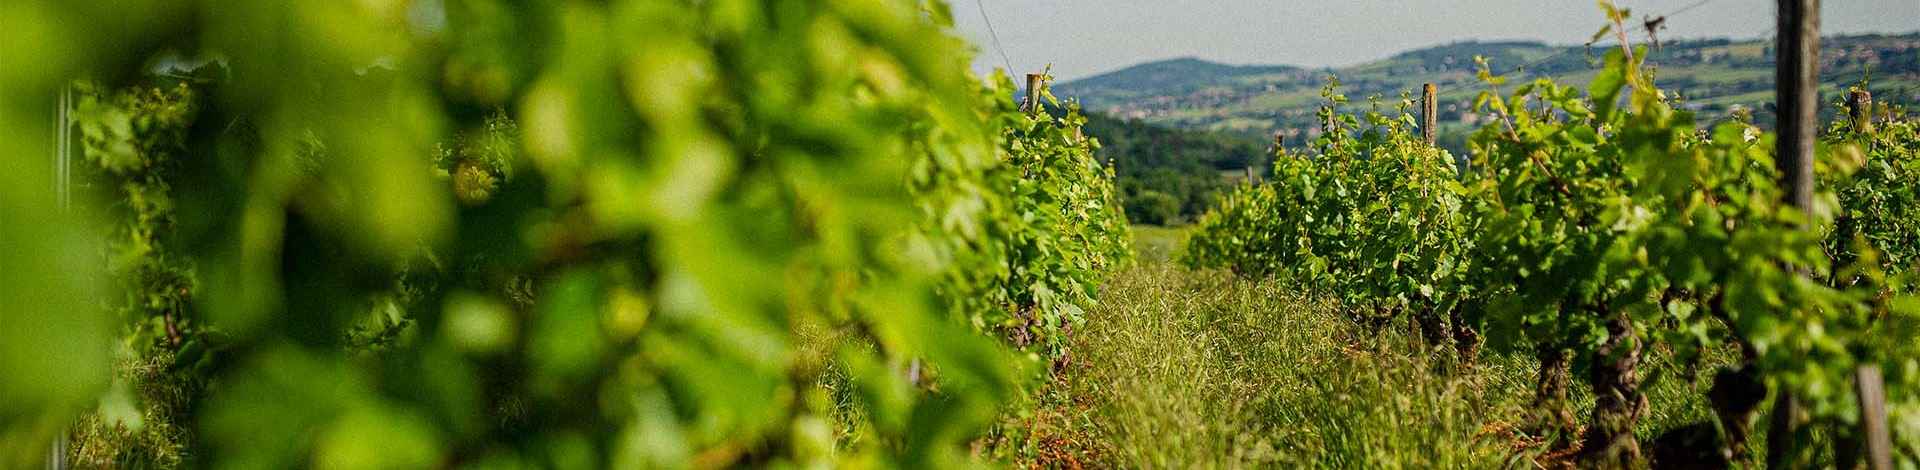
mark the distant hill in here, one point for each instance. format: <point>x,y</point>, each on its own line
<point>1710,76</point>
<point>1175,76</point>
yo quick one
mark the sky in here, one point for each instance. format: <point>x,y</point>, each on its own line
<point>1087,37</point>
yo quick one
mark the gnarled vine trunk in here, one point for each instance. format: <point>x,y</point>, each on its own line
<point>1735,397</point>
<point>1736,392</point>
<point>1466,341</point>
<point>1618,403</point>
<point>1552,415</point>
<point>1432,327</point>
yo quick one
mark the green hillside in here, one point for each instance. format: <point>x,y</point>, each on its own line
<point>1183,76</point>
<point>1710,76</point>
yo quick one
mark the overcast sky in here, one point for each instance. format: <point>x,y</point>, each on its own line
<point>1086,37</point>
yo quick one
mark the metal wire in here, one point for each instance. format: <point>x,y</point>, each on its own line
<point>1688,7</point>
<point>1603,42</point>
<point>995,35</point>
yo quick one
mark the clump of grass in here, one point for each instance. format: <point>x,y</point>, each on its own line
<point>142,422</point>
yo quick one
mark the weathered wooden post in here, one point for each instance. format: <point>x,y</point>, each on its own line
<point>1279,146</point>
<point>1033,93</point>
<point>1861,103</point>
<point>1873,417</point>
<point>1797,47</point>
<point>1428,115</point>
<point>1249,168</point>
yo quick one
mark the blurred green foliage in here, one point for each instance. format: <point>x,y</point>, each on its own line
<point>491,233</point>
<point>1154,207</point>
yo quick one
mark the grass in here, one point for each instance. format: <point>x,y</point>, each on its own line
<point>1179,368</point>
<point>1154,244</point>
<point>1187,369</point>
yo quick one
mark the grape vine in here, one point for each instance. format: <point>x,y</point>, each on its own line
<point>639,234</point>
<point>1591,225</point>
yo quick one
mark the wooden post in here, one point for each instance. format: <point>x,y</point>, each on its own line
<point>1033,93</point>
<point>1873,417</point>
<point>1249,169</point>
<point>1797,47</point>
<point>1428,114</point>
<point>1861,102</point>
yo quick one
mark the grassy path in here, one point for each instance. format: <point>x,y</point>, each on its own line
<point>1188,369</point>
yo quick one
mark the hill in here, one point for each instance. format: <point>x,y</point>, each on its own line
<point>1185,75</point>
<point>1711,76</point>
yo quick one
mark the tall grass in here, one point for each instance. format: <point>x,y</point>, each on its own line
<point>1182,369</point>
<point>1202,369</point>
<point>1191,369</point>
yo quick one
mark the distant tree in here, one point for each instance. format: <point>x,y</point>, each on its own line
<point>1153,208</point>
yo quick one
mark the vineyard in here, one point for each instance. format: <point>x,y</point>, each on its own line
<point>747,233</point>
<point>1594,229</point>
